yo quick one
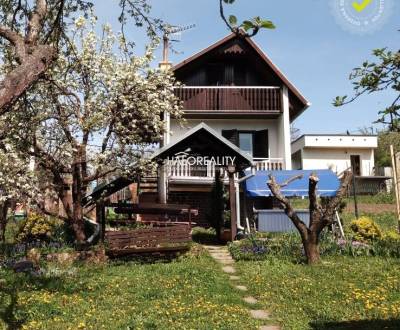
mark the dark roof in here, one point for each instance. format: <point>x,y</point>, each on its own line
<point>106,189</point>
<point>204,141</point>
<point>263,56</point>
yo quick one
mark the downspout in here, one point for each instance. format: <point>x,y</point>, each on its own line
<point>237,190</point>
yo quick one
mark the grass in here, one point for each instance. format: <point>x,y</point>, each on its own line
<point>378,199</point>
<point>364,291</point>
<point>386,221</point>
<point>189,293</point>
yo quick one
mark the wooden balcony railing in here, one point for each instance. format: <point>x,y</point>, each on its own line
<point>182,170</point>
<point>233,98</point>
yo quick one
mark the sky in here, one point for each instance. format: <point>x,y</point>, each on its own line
<point>308,45</point>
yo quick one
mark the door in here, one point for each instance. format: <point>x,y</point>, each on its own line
<point>356,164</point>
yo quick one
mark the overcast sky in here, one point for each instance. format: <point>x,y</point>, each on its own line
<point>309,46</point>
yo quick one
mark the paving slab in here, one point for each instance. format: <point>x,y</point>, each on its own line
<point>241,287</point>
<point>259,314</point>
<point>250,300</point>
<point>234,278</point>
<point>270,327</point>
<point>215,248</point>
<point>225,261</point>
<point>221,256</point>
<point>229,269</point>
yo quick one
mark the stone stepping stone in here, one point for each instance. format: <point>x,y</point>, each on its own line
<point>259,314</point>
<point>250,300</point>
<point>215,247</point>
<point>221,256</point>
<point>234,278</point>
<point>229,269</point>
<point>225,261</point>
<point>241,287</point>
<point>270,327</point>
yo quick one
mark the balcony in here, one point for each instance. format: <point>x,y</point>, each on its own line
<point>231,98</point>
<point>182,171</point>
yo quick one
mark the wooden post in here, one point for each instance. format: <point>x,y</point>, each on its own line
<point>232,199</point>
<point>101,218</point>
<point>162,185</point>
<point>103,221</point>
<point>355,196</point>
<point>396,170</point>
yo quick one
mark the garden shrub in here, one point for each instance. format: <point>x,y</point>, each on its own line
<point>365,230</point>
<point>37,228</point>
<point>388,245</point>
<point>255,248</point>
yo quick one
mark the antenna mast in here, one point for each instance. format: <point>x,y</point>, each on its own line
<point>170,30</point>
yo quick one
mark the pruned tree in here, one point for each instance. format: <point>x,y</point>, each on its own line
<point>321,214</point>
<point>250,26</point>
<point>376,77</point>
<point>92,115</point>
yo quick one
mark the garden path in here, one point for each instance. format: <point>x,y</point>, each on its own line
<point>221,255</point>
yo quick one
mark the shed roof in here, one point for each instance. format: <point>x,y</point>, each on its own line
<point>335,141</point>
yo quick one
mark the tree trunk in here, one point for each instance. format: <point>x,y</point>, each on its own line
<point>77,209</point>
<point>3,220</point>
<point>19,80</point>
<point>311,249</point>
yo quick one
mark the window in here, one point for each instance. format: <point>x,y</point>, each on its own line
<point>253,142</point>
<point>246,142</point>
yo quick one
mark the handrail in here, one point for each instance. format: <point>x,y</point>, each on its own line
<point>228,87</point>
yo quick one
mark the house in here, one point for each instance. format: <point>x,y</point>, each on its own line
<point>234,96</point>
<point>336,152</point>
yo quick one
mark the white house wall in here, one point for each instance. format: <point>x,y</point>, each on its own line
<point>337,159</point>
<point>276,148</point>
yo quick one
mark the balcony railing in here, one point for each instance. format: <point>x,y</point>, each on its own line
<point>233,98</point>
<point>183,170</point>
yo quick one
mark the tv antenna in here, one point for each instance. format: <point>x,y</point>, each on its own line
<point>175,31</point>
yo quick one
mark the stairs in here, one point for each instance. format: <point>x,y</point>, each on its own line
<point>148,185</point>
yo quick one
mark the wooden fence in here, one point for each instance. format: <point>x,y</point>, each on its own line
<point>161,238</point>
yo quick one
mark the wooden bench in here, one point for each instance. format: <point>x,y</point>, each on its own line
<point>170,237</point>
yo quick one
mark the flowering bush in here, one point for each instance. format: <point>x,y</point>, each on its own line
<point>365,230</point>
<point>388,245</point>
<point>37,227</point>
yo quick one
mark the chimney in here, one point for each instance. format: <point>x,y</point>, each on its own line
<point>165,64</point>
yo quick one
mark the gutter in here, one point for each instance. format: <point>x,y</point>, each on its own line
<point>237,191</point>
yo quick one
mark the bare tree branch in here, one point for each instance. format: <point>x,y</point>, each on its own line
<point>290,212</point>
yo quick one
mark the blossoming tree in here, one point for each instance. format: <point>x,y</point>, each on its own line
<point>95,112</point>
<point>18,181</point>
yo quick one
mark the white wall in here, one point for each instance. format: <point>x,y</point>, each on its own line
<point>337,159</point>
<point>335,141</point>
<point>274,138</point>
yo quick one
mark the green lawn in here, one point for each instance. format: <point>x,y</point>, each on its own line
<point>191,293</point>
<point>329,295</point>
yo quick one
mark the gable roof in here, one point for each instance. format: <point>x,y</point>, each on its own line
<point>212,137</point>
<point>262,55</point>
